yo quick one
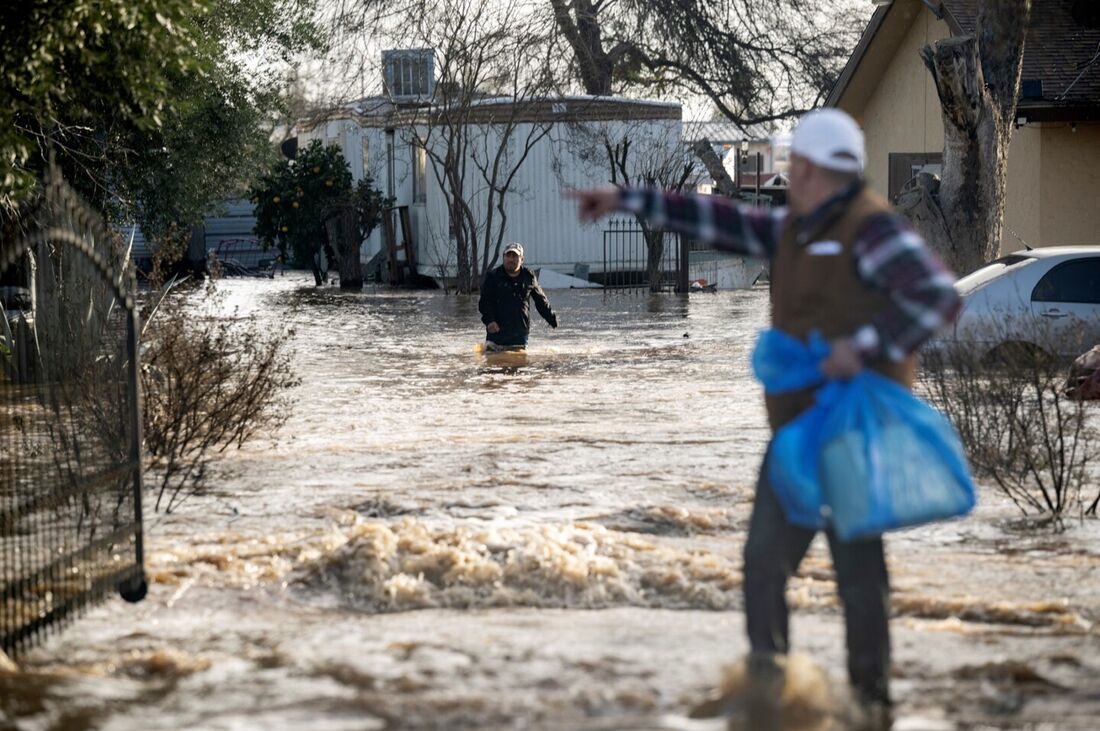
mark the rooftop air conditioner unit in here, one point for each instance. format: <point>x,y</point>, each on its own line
<point>409,74</point>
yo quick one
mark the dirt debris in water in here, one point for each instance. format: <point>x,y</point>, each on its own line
<point>239,560</point>
<point>380,507</point>
<point>1054,615</point>
<point>413,565</point>
<point>674,520</point>
<point>1016,672</point>
<point>159,663</point>
<point>797,695</point>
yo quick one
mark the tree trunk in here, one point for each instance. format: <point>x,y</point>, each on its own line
<point>463,278</point>
<point>655,249</point>
<point>705,152</point>
<point>978,81</point>
<point>343,232</point>
<point>582,31</point>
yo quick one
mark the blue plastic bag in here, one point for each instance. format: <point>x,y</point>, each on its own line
<point>888,460</point>
<point>793,462</point>
<point>867,457</point>
<point>784,363</point>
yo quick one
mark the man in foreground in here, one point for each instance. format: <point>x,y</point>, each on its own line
<point>504,302</point>
<point>845,264</point>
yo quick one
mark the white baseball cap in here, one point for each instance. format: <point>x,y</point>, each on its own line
<point>831,139</point>
<point>516,247</point>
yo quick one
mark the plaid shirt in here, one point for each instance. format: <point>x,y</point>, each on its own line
<point>890,257</point>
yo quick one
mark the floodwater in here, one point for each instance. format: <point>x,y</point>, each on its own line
<point>441,539</point>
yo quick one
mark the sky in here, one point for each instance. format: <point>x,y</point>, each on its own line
<point>353,69</point>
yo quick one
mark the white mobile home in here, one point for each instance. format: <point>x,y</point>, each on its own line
<point>387,142</point>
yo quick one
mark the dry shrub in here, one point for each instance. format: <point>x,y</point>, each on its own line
<point>1019,427</point>
<point>208,384</point>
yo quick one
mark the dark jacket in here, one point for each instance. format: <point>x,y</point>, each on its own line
<point>504,300</point>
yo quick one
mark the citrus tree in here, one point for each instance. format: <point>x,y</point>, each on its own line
<point>350,223</point>
<point>294,199</point>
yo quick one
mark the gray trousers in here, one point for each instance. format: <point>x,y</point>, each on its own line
<point>773,551</point>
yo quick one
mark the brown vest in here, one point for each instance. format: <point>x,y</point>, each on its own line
<point>825,293</point>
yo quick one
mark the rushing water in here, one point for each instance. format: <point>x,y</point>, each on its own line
<point>439,538</point>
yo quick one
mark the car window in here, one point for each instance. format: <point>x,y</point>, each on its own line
<point>989,272</point>
<point>1071,281</point>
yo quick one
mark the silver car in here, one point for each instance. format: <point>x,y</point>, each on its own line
<point>1040,301</point>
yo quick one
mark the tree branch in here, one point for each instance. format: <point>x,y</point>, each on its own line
<point>705,152</point>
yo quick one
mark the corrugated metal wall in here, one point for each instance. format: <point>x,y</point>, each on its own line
<point>233,220</point>
<point>537,214</point>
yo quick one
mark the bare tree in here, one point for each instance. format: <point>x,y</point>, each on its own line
<point>635,153</point>
<point>488,112</point>
<point>978,81</point>
<point>675,171</point>
<point>756,60</point>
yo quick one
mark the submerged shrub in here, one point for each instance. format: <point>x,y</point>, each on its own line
<point>1019,425</point>
<point>208,384</point>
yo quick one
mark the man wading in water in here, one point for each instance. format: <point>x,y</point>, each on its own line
<point>845,264</point>
<point>503,304</point>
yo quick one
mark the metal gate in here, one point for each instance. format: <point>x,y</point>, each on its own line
<point>245,258</point>
<point>70,435</point>
<point>626,259</point>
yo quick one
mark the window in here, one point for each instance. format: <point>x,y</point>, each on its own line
<point>409,74</point>
<point>420,173</point>
<point>1071,281</point>
<point>366,156</point>
<point>904,166</point>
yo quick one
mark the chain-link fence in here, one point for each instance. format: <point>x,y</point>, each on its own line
<point>70,441</point>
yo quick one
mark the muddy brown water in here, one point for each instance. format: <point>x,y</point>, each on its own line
<point>437,539</point>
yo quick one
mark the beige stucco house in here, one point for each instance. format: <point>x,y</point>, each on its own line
<point>1053,195</point>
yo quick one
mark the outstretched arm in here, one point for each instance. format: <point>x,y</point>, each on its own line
<point>714,219</point>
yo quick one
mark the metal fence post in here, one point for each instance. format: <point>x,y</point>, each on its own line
<point>683,259</point>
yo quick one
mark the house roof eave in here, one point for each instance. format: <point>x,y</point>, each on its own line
<point>1040,111</point>
<point>948,17</point>
<point>865,40</point>
<point>875,25</point>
